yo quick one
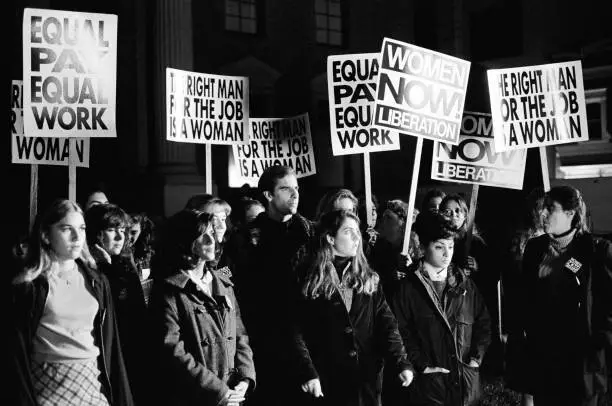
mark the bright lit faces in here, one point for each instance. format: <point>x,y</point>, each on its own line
<point>346,241</point>
<point>204,246</point>
<point>556,220</point>
<point>345,204</point>
<point>66,238</point>
<point>285,197</point>
<point>439,253</point>
<point>112,239</point>
<point>453,212</point>
<point>219,220</point>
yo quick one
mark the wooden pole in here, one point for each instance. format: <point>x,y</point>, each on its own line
<point>33,193</point>
<point>368,187</point>
<point>544,164</point>
<point>412,197</point>
<point>209,168</point>
<point>471,215</point>
<point>72,171</point>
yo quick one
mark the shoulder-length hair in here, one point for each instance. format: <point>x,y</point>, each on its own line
<point>143,245</point>
<point>175,251</point>
<point>457,198</point>
<point>329,200</point>
<point>570,198</point>
<point>321,278</point>
<point>104,216</point>
<point>39,259</point>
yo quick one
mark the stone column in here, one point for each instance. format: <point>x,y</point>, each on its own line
<point>175,163</point>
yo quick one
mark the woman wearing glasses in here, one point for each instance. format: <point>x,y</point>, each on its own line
<point>568,311</point>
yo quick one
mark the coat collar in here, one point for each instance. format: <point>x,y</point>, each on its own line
<point>456,278</point>
<point>220,284</point>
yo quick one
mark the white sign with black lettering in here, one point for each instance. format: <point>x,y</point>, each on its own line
<point>474,161</point>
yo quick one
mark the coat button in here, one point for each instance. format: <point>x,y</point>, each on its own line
<point>352,353</point>
<point>348,330</point>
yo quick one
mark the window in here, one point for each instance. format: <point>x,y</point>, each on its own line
<point>328,18</point>
<point>241,16</point>
<point>596,113</point>
<point>592,158</point>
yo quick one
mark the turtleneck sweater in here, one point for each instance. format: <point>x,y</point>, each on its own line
<point>555,256</point>
<point>340,265</point>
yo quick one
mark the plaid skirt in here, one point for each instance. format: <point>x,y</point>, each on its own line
<point>74,383</point>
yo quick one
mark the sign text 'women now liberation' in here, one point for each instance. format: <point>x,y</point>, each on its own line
<point>421,92</point>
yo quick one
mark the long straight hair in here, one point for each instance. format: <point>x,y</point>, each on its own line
<point>321,278</point>
<point>39,259</point>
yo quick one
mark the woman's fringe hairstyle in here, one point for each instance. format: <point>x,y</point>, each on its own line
<point>39,259</point>
<point>321,278</point>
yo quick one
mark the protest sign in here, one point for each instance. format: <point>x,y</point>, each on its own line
<point>69,73</point>
<point>276,141</point>
<point>41,150</point>
<point>351,83</point>
<point>474,161</point>
<point>203,108</point>
<point>535,106</point>
<point>420,92</point>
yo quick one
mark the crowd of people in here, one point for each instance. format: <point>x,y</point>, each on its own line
<point>252,303</point>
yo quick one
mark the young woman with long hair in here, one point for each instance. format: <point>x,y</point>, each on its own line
<point>65,348</point>
<point>344,327</point>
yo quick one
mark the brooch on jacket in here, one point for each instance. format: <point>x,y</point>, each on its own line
<point>573,265</point>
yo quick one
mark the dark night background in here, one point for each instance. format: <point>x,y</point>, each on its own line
<point>286,61</point>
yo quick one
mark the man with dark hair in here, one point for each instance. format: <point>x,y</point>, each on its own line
<point>270,282</point>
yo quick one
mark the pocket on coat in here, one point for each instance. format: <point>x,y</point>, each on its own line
<point>472,392</point>
<point>464,333</point>
<point>428,389</point>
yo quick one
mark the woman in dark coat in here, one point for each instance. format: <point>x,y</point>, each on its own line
<point>443,320</point>
<point>106,238</point>
<point>201,343</point>
<point>63,342</point>
<point>568,312</point>
<point>344,328</point>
